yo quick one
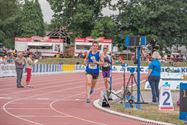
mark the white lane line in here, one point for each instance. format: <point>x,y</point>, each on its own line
<point>4,106</point>
<point>50,81</point>
<point>36,81</point>
<point>6,98</point>
<point>69,82</point>
<point>79,118</point>
<point>28,108</point>
<point>75,117</point>
<point>42,98</point>
<point>39,116</point>
<point>30,121</point>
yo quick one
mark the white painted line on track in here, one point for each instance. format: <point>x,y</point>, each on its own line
<point>28,108</point>
<point>30,121</point>
<point>4,108</point>
<point>79,118</point>
<point>42,98</point>
<point>36,123</point>
<point>39,116</point>
<point>41,80</point>
<point>36,81</point>
<point>6,98</point>
<point>69,82</point>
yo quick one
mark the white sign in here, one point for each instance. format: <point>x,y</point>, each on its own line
<point>7,70</point>
<point>165,99</point>
<point>172,84</point>
<point>171,76</point>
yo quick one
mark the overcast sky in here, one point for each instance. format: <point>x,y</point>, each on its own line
<point>48,13</point>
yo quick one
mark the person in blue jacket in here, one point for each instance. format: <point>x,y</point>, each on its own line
<point>153,75</point>
<point>92,61</point>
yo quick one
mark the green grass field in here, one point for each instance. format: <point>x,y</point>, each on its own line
<point>150,111</point>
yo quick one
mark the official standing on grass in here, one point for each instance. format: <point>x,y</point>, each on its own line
<point>29,63</point>
<point>20,63</point>
<point>92,61</point>
<point>153,75</point>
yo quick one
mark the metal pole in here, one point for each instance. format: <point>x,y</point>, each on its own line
<point>111,74</point>
<point>138,74</point>
<point>111,69</point>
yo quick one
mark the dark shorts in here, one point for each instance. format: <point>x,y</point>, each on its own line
<point>106,74</point>
<point>94,75</point>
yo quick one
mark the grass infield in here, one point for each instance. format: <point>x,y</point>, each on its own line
<point>152,112</point>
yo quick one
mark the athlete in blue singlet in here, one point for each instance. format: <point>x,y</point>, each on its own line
<point>92,62</point>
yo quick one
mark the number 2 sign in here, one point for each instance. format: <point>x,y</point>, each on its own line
<point>165,100</point>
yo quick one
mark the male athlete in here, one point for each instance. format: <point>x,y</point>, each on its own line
<point>106,69</point>
<point>92,61</point>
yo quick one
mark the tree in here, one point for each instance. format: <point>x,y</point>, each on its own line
<point>104,26</point>
<point>31,20</point>
<point>9,13</point>
<point>166,21</point>
<point>78,16</point>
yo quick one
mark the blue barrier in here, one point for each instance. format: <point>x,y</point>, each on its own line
<point>183,101</point>
<point>53,68</point>
<point>43,68</point>
<point>47,68</point>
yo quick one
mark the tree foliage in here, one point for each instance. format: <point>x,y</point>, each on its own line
<point>106,27</point>
<point>9,11</point>
<point>19,18</point>
<point>163,20</point>
<point>78,16</point>
<point>31,20</point>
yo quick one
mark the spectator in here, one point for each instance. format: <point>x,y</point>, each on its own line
<point>15,53</point>
<point>20,63</point>
<point>29,63</point>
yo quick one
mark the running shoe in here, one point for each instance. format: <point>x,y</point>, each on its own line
<point>91,91</point>
<point>88,100</point>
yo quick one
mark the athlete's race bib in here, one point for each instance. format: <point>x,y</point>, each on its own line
<point>92,66</point>
<point>93,58</point>
<point>106,65</point>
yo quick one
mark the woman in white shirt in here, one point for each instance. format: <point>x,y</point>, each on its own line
<point>29,64</point>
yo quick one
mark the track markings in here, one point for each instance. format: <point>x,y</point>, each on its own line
<point>42,98</point>
<point>45,116</point>
<point>8,98</point>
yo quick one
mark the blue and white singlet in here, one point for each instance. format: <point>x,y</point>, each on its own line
<point>92,67</point>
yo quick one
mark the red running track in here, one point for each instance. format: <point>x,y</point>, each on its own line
<point>55,100</point>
